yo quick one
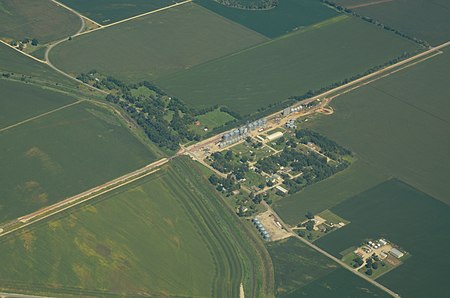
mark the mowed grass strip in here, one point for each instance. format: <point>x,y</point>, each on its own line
<point>409,218</point>
<point>301,271</point>
<point>108,11</point>
<point>154,45</point>
<point>287,16</point>
<point>137,240</point>
<point>63,154</point>
<point>40,19</point>
<point>425,20</point>
<point>304,60</point>
<point>20,101</point>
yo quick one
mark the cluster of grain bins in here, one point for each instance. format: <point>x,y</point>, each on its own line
<point>261,229</point>
<point>291,110</point>
<point>291,124</point>
<point>240,133</point>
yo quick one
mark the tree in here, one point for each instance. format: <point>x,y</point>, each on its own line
<point>369,271</point>
<point>309,225</point>
<point>375,265</point>
<point>34,42</point>
<point>301,233</point>
<point>309,215</point>
<point>213,179</point>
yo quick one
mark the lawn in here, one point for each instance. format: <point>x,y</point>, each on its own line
<point>301,271</point>
<point>109,11</point>
<point>271,72</point>
<point>287,16</point>
<point>409,218</point>
<point>63,154</point>
<point>425,20</point>
<point>40,19</point>
<point>20,101</point>
<point>162,236</point>
<point>155,45</point>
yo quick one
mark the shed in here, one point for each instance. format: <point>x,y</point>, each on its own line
<point>396,253</point>
<point>275,135</point>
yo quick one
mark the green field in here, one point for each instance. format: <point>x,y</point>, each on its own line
<point>20,101</point>
<point>12,61</point>
<point>400,126</point>
<point>409,218</point>
<point>271,72</point>
<point>40,19</point>
<point>158,44</point>
<point>211,120</point>
<point>109,11</point>
<point>63,154</point>
<point>288,16</point>
<point>165,235</point>
<point>425,20</point>
<point>325,194</point>
<point>301,271</point>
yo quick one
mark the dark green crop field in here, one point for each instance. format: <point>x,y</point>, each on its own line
<point>301,271</point>
<point>109,11</point>
<point>154,45</point>
<point>425,20</point>
<point>63,154</point>
<point>20,101</point>
<point>307,59</point>
<point>288,16</point>
<point>411,219</point>
<point>327,193</point>
<point>165,235</point>
<point>40,19</point>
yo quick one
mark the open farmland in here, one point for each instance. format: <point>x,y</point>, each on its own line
<point>12,61</point>
<point>425,20</point>
<point>40,19</point>
<point>287,16</point>
<point>109,11</point>
<point>409,218</point>
<point>358,177</point>
<point>20,101</point>
<point>400,125</point>
<point>162,236</point>
<point>154,45</point>
<point>63,154</point>
<point>307,59</point>
<point>300,271</point>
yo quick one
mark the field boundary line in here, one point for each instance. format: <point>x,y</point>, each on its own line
<point>22,52</point>
<point>95,192</point>
<point>134,17</point>
<point>76,12</point>
<point>41,115</point>
<point>369,4</point>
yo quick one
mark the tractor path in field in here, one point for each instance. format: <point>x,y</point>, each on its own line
<point>369,4</point>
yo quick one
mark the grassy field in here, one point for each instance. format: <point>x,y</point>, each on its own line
<point>269,73</point>
<point>288,16</point>
<point>63,154</point>
<point>211,120</point>
<point>300,271</point>
<point>156,45</point>
<point>165,235</point>
<point>411,219</point>
<point>109,11</point>
<point>425,20</point>
<point>40,19</point>
<point>20,101</point>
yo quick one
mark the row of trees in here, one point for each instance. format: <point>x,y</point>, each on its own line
<point>375,22</point>
<point>328,147</point>
<point>250,5</point>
